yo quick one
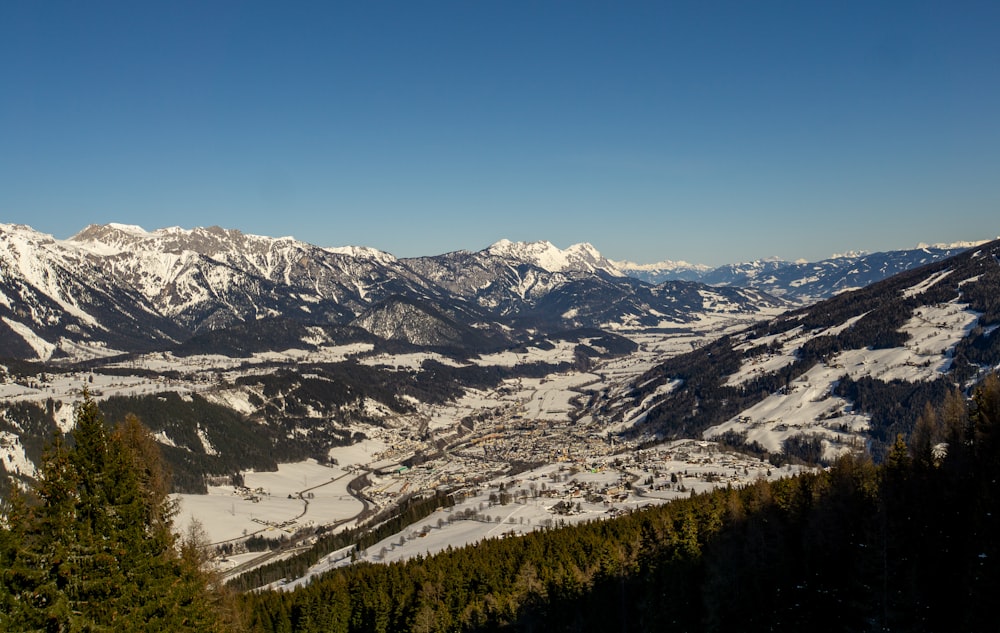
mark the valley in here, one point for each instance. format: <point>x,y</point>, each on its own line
<point>300,393</point>
<point>522,455</point>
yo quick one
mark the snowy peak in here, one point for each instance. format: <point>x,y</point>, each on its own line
<point>224,245</point>
<point>363,252</point>
<point>954,245</point>
<point>209,241</point>
<point>16,236</point>
<point>667,265</point>
<point>581,257</point>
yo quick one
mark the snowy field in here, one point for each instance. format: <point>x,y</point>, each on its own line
<point>271,504</point>
<point>408,361</point>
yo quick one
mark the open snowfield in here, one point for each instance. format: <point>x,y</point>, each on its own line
<point>551,398</point>
<point>229,514</point>
<point>296,496</point>
<point>408,361</point>
<point>562,351</point>
<point>199,363</point>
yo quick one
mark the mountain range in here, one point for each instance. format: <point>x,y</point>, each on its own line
<point>116,288</point>
<point>809,379</point>
<point>799,281</point>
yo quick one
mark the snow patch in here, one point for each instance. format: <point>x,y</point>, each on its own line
<point>205,442</point>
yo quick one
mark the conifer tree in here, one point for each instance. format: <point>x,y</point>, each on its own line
<point>97,551</point>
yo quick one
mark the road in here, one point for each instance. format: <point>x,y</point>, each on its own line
<point>295,545</point>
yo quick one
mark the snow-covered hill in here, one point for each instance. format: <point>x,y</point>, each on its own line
<point>850,371</point>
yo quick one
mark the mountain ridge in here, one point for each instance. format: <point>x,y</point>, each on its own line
<point>802,281</point>
<point>120,287</point>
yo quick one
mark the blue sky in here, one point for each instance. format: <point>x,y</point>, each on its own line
<point>707,131</point>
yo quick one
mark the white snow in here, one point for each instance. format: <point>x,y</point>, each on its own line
<point>408,361</point>
<point>561,352</point>
<point>925,284</point>
<point>13,457</point>
<point>130,228</point>
<point>230,514</point>
<point>205,443</point>
<point>547,256</point>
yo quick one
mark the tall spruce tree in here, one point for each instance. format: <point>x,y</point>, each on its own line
<point>96,551</point>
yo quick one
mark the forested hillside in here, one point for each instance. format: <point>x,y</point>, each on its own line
<point>909,545</point>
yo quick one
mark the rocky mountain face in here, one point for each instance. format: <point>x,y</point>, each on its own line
<point>118,288</point>
<point>803,282</point>
<point>853,370</point>
<point>402,319</point>
<point>56,296</point>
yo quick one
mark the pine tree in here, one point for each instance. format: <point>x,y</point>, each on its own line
<point>97,551</point>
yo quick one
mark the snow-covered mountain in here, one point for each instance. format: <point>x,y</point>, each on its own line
<point>536,284</point>
<point>853,370</point>
<point>800,281</point>
<point>61,296</point>
<point>577,258</point>
<point>119,288</point>
<point>667,270</point>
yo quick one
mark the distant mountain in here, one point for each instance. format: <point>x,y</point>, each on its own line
<point>853,370</point>
<point>118,288</point>
<point>667,270</point>
<point>544,255</point>
<point>802,282</point>
<point>579,289</point>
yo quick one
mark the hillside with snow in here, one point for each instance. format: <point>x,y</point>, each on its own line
<point>848,372</point>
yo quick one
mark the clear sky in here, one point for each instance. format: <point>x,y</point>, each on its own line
<point>707,131</point>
